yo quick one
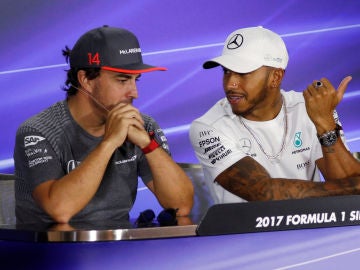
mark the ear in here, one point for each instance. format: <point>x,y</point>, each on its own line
<point>84,82</point>
<point>276,77</point>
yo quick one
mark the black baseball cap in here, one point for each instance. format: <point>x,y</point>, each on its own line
<point>109,48</point>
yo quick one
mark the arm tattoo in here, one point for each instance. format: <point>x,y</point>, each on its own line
<point>329,150</point>
<point>249,180</point>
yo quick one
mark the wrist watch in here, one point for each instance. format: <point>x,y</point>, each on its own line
<point>329,138</point>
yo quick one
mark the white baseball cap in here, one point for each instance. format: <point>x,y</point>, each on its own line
<point>248,49</point>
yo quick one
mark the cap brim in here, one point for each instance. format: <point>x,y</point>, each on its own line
<point>234,63</point>
<point>134,69</point>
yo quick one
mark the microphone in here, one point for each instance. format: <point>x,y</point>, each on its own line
<point>166,217</point>
<point>91,96</point>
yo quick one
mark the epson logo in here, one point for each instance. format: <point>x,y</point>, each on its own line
<point>32,140</point>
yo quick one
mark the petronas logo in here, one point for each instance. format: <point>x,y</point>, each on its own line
<point>297,139</point>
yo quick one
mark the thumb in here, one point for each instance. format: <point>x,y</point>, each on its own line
<point>342,87</point>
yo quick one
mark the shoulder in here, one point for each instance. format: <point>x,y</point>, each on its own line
<point>47,121</point>
<point>293,99</point>
<point>149,123</point>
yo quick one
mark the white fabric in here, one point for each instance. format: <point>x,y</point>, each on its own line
<point>220,140</point>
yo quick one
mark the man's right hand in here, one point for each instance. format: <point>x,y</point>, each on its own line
<point>125,122</point>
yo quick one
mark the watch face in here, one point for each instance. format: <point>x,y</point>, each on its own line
<point>329,138</point>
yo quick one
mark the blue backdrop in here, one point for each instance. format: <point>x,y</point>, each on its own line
<point>323,39</point>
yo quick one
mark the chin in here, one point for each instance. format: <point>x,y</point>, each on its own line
<point>236,112</point>
<point>240,112</point>
<point>235,109</point>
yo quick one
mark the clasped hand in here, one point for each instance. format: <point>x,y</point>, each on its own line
<point>124,122</point>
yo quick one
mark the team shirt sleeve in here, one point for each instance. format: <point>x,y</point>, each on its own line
<point>215,151</point>
<point>35,159</point>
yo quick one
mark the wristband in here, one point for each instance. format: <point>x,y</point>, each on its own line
<point>150,147</point>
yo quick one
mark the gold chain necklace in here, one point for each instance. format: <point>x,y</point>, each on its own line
<point>276,156</point>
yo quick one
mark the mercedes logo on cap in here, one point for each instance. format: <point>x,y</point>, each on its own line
<point>235,42</point>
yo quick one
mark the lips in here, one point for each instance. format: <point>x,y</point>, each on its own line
<point>233,99</point>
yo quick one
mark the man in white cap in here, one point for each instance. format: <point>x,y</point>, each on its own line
<point>80,159</point>
<point>259,137</point>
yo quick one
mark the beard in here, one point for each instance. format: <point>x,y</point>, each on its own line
<point>254,102</point>
<point>103,105</point>
<point>251,104</point>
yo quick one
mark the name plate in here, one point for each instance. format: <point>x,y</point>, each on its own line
<point>280,215</point>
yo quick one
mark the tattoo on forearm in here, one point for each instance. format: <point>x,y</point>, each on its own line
<point>329,150</point>
<point>249,180</point>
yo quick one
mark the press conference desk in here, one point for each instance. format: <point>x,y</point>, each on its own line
<point>227,237</point>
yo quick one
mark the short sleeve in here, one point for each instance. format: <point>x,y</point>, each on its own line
<point>35,159</point>
<point>215,151</point>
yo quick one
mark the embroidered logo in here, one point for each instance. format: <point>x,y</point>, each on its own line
<point>126,160</point>
<point>235,42</point>
<point>130,51</point>
<point>32,140</point>
<point>94,59</point>
<point>245,145</point>
<point>297,140</point>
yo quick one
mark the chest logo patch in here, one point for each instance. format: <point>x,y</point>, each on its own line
<point>297,140</point>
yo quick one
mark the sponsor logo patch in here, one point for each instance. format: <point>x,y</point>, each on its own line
<point>209,141</point>
<point>126,160</point>
<point>303,165</point>
<point>297,140</point>
<point>32,140</point>
<point>39,160</point>
<point>130,51</point>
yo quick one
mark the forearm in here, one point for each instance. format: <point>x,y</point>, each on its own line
<point>170,184</point>
<point>282,189</point>
<point>338,162</point>
<point>65,197</point>
<point>249,180</point>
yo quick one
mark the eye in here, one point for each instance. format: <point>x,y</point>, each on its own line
<point>122,80</point>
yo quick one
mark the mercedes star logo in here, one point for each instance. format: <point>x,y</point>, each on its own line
<point>245,145</point>
<point>235,42</point>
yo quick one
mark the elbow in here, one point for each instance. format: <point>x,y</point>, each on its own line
<point>185,208</point>
<point>182,204</point>
<point>61,219</point>
<point>187,204</point>
<point>59,214</point>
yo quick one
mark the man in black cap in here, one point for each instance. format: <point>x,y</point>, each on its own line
<point>80,159</point>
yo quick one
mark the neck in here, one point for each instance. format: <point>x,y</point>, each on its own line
<point>270,156</point>
<point>87,116</point>
<point>265,112</point>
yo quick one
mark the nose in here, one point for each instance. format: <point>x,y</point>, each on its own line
<point>132,90</point>
<point>231,81</point>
